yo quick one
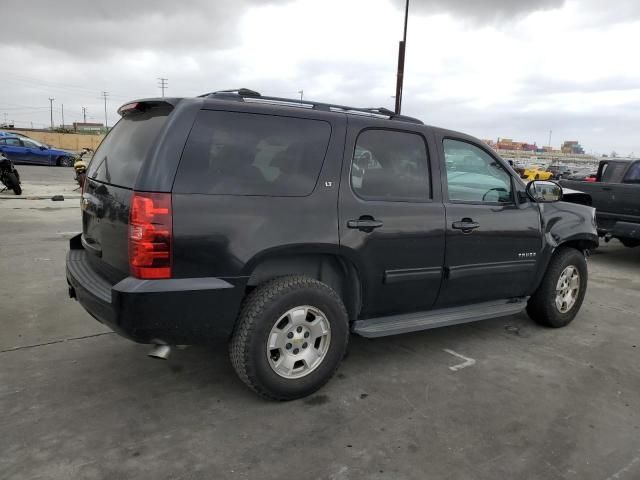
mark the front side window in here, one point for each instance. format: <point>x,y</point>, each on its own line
<point>30,144</point>
<point>230,153</point>
<point>475,176</point>
<point>390,166</point>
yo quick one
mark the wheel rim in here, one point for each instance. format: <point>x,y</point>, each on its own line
<point>66,162</point>
<point>567,289</point>
<point>298,342</point>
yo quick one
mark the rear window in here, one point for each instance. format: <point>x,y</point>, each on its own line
<point>120,155</point>
<point>231,153</point>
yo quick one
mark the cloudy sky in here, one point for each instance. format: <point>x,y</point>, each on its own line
<point>491,68</point>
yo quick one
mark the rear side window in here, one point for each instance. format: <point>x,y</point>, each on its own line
<point>612,172</point>
<point>230,153</point>
<point>633,175</point>
<point>390,166</point>
<point>120,155</point>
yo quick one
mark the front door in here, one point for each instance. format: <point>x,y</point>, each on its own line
<point>36,154</point>
<point>391,217</point>
<point>493,238</point>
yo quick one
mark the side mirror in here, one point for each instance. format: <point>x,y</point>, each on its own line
<point>42,147</point>
<point>544,191</point>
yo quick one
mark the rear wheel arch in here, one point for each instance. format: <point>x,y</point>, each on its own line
<point>336,271</point>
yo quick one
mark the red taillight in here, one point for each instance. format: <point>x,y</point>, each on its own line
<point>150,232</point>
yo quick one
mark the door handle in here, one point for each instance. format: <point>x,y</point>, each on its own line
<point>466,225</point>
<point>365,224</point>
<point>606,189</point>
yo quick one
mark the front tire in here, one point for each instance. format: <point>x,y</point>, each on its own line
<point>65,162</point>
<point>291,335</point>
<point>560,295</point>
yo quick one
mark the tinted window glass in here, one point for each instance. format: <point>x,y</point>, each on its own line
<point>633,175</point>
<point>230,153</point>
<point>30,143</point>
<point>612,172</point>
<point>120,155</point>
<point>475,176</point>
<point>390,166</point>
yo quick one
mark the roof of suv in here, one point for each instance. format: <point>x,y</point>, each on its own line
<point>251,96</point>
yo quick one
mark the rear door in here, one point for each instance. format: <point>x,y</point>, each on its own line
<point>628,194</point>
<point>111,177</point>
<point>13,150</point>
<point>391,218</point>
<point>492,239</point>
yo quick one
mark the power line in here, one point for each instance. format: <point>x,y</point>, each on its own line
<point>163,84</point>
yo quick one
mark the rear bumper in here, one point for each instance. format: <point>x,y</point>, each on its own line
<point>175,311</point>
<point>618,228</point>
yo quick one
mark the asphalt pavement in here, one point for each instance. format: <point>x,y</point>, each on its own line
<point>499,399</point>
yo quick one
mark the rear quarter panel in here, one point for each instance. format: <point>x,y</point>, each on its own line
<point>228,235</point>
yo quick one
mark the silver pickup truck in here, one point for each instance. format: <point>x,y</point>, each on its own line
<point>616,196</point>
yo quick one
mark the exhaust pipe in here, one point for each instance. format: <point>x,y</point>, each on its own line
<point>160,351</point>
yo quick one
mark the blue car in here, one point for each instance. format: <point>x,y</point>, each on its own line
<point>23,151</point>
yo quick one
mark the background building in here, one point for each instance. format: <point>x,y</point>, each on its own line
<point>572,147</point>
<point>88,127</point>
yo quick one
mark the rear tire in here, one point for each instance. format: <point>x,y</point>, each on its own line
<point>629,242</point>
<point>14,183</point>
<point>267,343</point>
<point>560,295</point>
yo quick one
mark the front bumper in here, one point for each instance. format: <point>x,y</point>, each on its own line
<point>174,311</point>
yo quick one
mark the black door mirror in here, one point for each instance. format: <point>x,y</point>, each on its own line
<point>544,191</point>
<point>42,147</point>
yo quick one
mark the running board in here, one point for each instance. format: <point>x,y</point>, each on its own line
<point>413,322</point>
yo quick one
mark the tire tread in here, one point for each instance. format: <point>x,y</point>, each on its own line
<point>254,304</point>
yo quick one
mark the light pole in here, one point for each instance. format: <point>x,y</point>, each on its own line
<point>51,110</point>
<point>401,51</point>
<point>105,95</point>
<point>301,92</point>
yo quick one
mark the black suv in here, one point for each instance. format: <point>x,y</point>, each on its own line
<point>282,226</point>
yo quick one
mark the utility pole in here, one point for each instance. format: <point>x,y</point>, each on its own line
<point>62,105</point>
<point>105,95</point>
<point>163,84</point>
<point>84,114</point>
<point>401,50</point>
<point>550,133</point>
<point>301,92</point>
<point>51,110</point>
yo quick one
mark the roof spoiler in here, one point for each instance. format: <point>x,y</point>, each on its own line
<point>145,104</point>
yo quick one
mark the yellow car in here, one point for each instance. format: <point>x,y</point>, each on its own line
<point>535,172</point>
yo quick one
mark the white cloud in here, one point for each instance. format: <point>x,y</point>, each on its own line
<point>492,68</point>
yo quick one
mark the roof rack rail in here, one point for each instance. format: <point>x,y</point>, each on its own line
<point>244,94</point>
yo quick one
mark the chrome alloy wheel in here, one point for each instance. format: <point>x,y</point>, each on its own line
<point>298,342</point>
<point>567,289</point>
